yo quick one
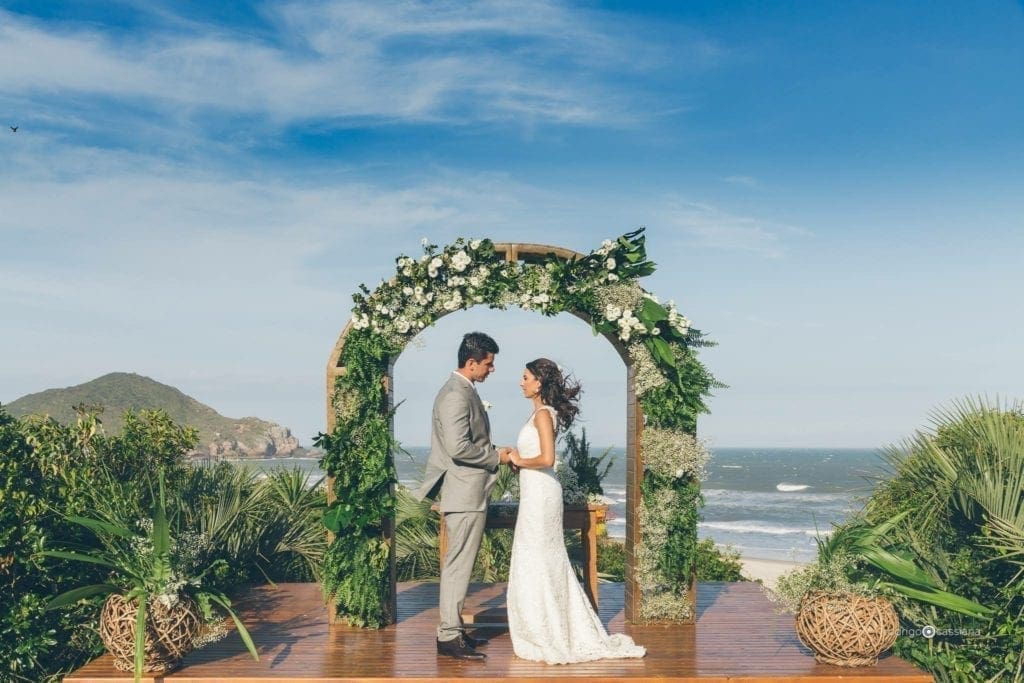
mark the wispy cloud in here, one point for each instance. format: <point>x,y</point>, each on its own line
<point>339,61</point>
<point>744,180</point>
<point>703,225</point>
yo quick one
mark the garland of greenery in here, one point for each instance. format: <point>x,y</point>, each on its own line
<point>602,286</point>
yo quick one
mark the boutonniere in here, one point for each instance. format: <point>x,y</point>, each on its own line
<point>487,405</point>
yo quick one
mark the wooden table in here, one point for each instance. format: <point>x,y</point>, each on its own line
<point>583,517</point>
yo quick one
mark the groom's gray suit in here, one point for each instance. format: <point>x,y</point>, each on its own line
<point>463,466</point>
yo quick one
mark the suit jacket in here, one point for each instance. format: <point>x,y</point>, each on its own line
<point>463,465</point>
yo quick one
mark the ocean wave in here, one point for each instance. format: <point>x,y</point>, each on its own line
<point>618,521</point>
<point>736,498</point>
<point>754,527</point>
<point>789,488</point>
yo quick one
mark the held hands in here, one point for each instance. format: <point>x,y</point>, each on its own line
<point>509,456</point>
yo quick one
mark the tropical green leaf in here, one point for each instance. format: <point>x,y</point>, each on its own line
<point>652,312</point>
<point>101,527</point>
<point>941,598</point>
<point>661,350</point>
<point>74,595</point>
<point>79,557</point>
<point>161,529</point>
<point>140,636</point>
<point>243,632</point>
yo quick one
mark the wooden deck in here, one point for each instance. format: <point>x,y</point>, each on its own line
<point>737,637</point>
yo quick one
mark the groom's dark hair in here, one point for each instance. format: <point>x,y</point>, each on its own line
<point>475,346</point>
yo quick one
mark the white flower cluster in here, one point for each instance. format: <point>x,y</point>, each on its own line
<point>618,303</point>
<point>610,262</point>
<point>673,454</point>
<point>423,290</point>
<point>212,632</point>
<point>678,321</point>
<point>646,375</point>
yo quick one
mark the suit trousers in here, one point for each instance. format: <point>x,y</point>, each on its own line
<point>465,531</point>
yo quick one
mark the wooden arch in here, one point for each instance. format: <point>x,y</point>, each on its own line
<point>529,253</point>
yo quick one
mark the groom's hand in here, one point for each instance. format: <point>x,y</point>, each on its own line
<point>504,455</point>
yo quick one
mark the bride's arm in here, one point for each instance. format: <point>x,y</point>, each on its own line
<point>546,431</point>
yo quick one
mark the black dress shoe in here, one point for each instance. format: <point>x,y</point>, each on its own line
<point>458,648</point>
<point>475,642</point>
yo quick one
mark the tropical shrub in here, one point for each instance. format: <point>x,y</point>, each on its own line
<point>960,486</point>
<point>590,470</point>
<point>718,564</point>
<point>147,565</point>
<point>267,528</point>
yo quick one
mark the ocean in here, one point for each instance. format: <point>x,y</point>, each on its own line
<point>767,503</point>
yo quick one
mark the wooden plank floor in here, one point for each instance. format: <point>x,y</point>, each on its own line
<point>737,637</point>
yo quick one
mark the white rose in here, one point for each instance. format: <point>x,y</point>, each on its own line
<point>607,244</point>
<point>407,291</point>
<point>541,299</point>
<point>610,264</point>
<point>655,331</point>
<point>407,271</point>
<point>424,258</point>
<point>430,296</point>
<point>451,305</point>
<point>475,244</point>
<point>436,262</point>
<point>474,280</point>
<point>612,312</point>
<point>418,290</point>
<point>484,272</point>
<point>487,405</point>
<point>478,299</point>
<point>612,277</point>
<point>624,335</point>
<point>402,325</point>
<point>460,261</point>
<point>420,324</point>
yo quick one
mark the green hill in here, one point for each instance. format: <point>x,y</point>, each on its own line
<point>121,391</point>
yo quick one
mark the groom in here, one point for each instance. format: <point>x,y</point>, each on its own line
<point>463,466</point>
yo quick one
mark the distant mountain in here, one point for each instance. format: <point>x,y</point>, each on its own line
<point>219,436</point>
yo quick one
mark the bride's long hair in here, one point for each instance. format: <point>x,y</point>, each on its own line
<point>557,390</point>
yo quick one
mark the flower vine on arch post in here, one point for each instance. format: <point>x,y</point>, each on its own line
<point>603,287</point>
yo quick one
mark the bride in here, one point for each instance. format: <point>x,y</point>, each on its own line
<point>550,617</point>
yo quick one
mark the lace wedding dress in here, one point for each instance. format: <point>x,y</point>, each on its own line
<point>550,617</point>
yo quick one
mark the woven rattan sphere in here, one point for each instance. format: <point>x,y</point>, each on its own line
<point>169,632</point>
<point>846,629</point>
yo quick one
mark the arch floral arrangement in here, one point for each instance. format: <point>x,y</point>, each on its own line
<point>601,287</point>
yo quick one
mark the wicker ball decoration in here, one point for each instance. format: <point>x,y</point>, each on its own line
<point>846,629</point>
<point>170,632</point>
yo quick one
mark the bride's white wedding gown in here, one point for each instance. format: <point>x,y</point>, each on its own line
<point>550,617</point>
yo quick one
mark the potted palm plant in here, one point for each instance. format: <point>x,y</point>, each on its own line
<point>843,613</point>
<point>157,602</point>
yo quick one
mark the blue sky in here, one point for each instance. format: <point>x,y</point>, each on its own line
<point>833,191</point>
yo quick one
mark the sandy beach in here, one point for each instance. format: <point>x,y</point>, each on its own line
<point>768,571</point>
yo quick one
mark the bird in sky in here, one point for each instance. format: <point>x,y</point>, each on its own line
<point>14,129</point>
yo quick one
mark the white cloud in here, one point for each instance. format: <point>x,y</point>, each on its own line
<point>703,225</point>
<point>405,61</point>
